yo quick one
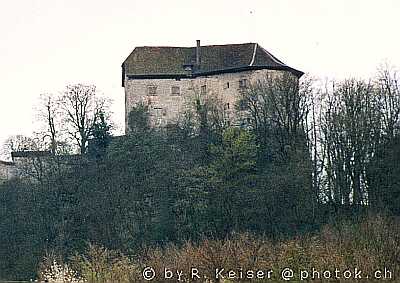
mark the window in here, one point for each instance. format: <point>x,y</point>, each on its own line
<point>243,83</point>
<point>159,111</point>
<point>226,85</point>
<point>151,90</point>
<point>175,90</point>
<point>203,90</point>
<point>242,105</point>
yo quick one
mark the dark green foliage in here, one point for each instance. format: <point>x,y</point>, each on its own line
<point>284,197</point>
<point>154,187</point>
<point>138,119</point>
<point>150,188</point>
<point>101,137</point>
<point>384,177</point>
<point>23,229</point>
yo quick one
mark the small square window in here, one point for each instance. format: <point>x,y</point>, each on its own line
<point>152,90</point>
<point>242,105</point>
<point>203,90</point>
<point>158,111</point>
<point>243,83</point>
<point>175,90</point>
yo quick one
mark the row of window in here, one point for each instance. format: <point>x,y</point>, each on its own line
<point>242,84</point>
<point>152,90</point>
<point>176,90</point>
<point>160,111</point>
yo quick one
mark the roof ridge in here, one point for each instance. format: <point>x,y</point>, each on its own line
<point>212,45</point>
<point>158,46</point>
<point>229,44</point>
<point>254,55</point>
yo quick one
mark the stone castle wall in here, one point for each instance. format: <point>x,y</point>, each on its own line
<point>167,105</point>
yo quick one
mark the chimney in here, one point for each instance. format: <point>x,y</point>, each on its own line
<point>198,52</point>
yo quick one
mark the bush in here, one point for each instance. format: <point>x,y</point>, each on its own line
<point>372,244</point>
<point>369,245</point>
<point>99,264</point>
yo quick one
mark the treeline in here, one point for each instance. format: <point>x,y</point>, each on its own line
<point>296,158</point>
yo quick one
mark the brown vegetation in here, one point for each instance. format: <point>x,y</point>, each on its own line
<point>372,244</point>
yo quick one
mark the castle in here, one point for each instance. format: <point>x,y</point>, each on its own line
<point>164,78</point>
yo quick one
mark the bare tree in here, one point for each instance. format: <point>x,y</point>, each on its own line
<point>20,143</point>
<point>50,117</point>
<point>29,154</point>
<point>277,106</point>
<point>212,113</point>
<point>389,96</point>
<point>351,131</point>
<point>81,107</point>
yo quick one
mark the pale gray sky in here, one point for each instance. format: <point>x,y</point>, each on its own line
<point>46,44</point>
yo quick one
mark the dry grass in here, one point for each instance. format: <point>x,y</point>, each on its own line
<point>373,244</point>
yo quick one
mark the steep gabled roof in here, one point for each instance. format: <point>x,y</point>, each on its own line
<point>153,62</point>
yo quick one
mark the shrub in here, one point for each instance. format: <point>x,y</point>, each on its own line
<point>99,264</point>
<point>372,244</point>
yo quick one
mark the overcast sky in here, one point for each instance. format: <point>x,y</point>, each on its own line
<point>46,44</point>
